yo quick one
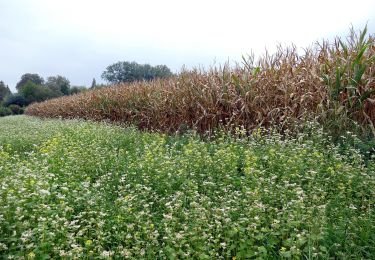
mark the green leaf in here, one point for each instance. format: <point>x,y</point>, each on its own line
<point>338,81</point>
<point>262,249</point>
<point>204,256</point>
<point>359,56</point>
<point>360,70</point>
<point>256,71</point>
<point>286,254</point>
<point>344,47</point>
<point>363,34</point>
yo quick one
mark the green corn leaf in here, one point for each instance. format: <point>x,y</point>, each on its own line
<point>344,47</point>
<point>360,70</point>
<point>237,84</point>
<point>360,55</point>
<point>256,71</point>
<point>338,80</point>
<point>363,34</point>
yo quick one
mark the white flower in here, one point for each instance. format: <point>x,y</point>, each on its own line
<point>106,254</point>
<point>44,192</point>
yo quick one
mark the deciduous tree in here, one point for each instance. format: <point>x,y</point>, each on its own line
<point>131,71</point>
<point>4,91</point>
<point>59,85</point>
<point>33,77</point>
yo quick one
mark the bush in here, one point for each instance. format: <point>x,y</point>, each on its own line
<point>16,109</point>
<point>4,111</point>
<point>15,99</point>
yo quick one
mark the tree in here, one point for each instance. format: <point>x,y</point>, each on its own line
<point>35,93</point>
<point>14,99</point>
<point>4,91</point>
<point>93,84</point>
<point>131,71</point>
<point>59,85</point>
<point>34,78</point>
<point>76,89</point>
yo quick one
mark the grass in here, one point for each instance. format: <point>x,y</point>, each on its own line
<point>75,189</point>
<point>332,82</point>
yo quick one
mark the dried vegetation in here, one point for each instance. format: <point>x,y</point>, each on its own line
<point>331,82</point>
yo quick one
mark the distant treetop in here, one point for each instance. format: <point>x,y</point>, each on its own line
<point>4,91</point>
<point>93,84</point>
<point>125,71</point>
<point>58,84</point>
<point>34,78</point>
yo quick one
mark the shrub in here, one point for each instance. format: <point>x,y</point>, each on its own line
<point>4,111</point>
<point>16,109</point>
<point>15,99</point>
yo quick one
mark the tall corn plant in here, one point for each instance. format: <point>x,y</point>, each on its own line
<point>347,68</point>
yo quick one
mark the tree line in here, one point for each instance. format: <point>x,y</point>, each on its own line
<point>34,88</point>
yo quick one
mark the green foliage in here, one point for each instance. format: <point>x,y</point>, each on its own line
<point>33,88</point>
<point>59,85</point>
<point>4,91</point>
<point>5,111</point>
<point>93,84</point>
<point>73,189</point>
<point>77,89</point>
<point>16,99</point>
<point>347,72</point>
<point>16,109</point>
<point>35,78</point>
<point>35,93</point>
<point>132,71</point>
<point>11,110</point>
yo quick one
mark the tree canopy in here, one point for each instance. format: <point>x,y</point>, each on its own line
<point>35,93</point>
<point>33,77</point>
<point>15,99</point>
<point>59,85</point>
<point>4,91</point>
<point>125,71</point>
<point>93,84</point>
<point>33,88</point>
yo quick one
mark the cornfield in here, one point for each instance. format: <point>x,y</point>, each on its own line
<point>327,82</point>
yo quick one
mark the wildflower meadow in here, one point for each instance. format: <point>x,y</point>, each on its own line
<point>75,189</point>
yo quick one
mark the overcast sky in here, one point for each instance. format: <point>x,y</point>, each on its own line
<point>78,39</point>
